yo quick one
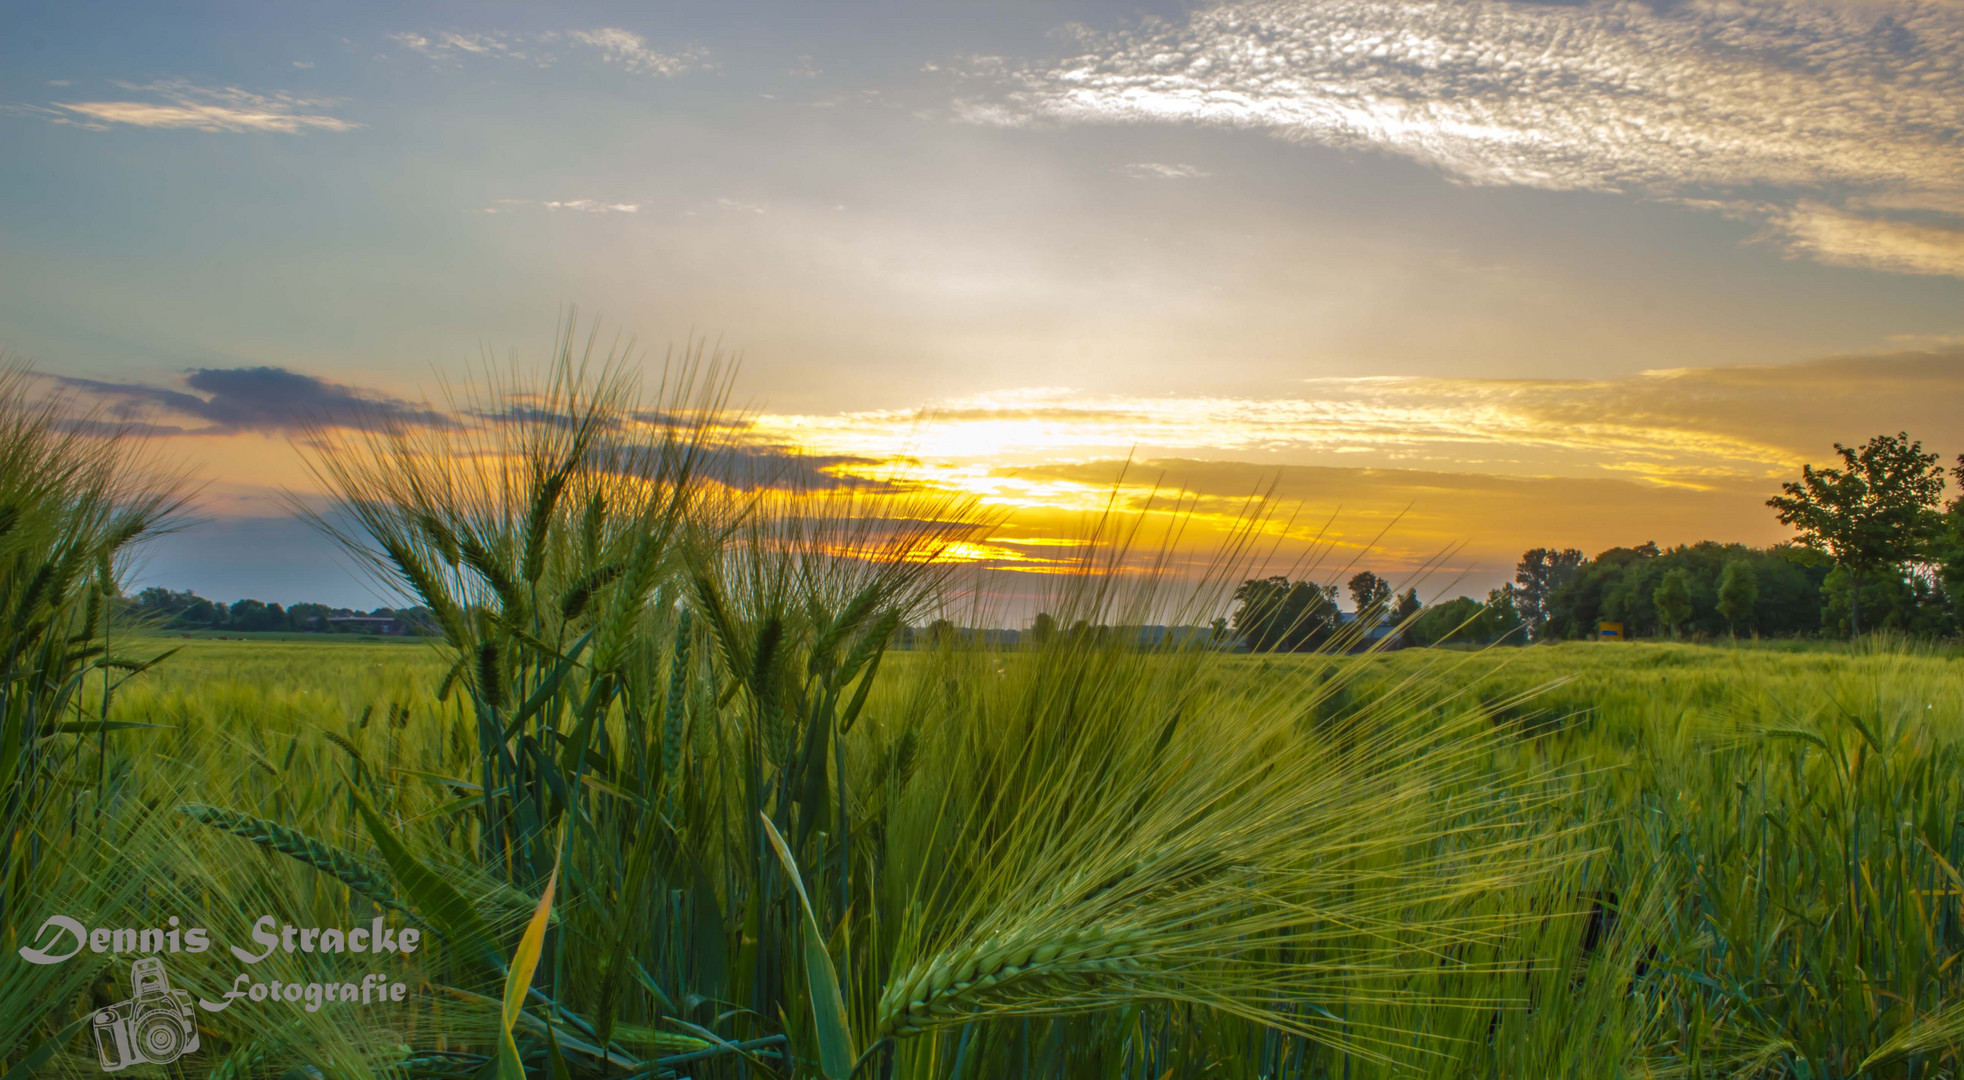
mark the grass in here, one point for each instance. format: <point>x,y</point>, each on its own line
<point>296,637</point>
<point>1757,877</point>
<point>663,803</point>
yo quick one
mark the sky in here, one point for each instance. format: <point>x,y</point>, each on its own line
<point>1450,280</point>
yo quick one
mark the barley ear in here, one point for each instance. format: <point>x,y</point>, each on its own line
<point>324,857</point>
<point>678,686</point>
<point>959,981</point>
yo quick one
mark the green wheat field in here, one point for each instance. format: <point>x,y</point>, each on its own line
<point>666,799</point>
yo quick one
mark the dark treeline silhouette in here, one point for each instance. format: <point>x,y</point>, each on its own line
<point>1682,592</point>
<point>187,610</point>
<point>1876,549</point>
<point>1276,614</point>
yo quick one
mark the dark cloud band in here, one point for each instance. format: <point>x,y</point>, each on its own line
<point>259,399</point>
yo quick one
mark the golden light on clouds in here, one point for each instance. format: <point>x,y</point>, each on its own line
<point>1386,471</point>
<point>1397,470</point>
<point>1559,426</point>
<point>1488,272</point>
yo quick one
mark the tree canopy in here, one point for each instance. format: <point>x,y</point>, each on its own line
<point>1872,515</point>
<point>1276,615</point>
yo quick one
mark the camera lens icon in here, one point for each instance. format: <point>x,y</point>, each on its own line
<point>155,1026</point>
<point>161,1036</point>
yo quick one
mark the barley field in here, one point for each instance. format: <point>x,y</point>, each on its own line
<point>1702,861</point>
<point>667,799</point>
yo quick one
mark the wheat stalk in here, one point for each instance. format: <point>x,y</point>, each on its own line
<point>676,715</point>
<point>326,858</point>
<point>961,980</point>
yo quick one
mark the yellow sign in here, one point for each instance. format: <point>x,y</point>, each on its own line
<point>1609,631</point>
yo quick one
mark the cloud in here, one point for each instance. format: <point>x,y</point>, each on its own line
<point>590,206</point>
<point>1673,455</point>
<point>1844,239</point>
<point>734,454</point>
<point>584,206</point>
<point>1855,103</point>
<point>616,46</point>
<point>751,466</point>
<point>179,104</point>
<point>1153,170</point>
<point>1399,521</point>
<point>631,51</point>
<point>1928,342</point>
<point>1687,428</point>
<point>448,46</point>
<point>230,401</point>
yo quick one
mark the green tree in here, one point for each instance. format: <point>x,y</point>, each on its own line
<point>1277,614</point>
<point>1872,515</point>
<point>1406,609</point>
<point>1673,599</point>
<point>1540,572</point>
<point>1950,545</point>
<point>1448,621</point>
<point>1372,596</point>
<point>1501,619</point>
<point>1617,586</point>
<point>1043,629</point>
<point>1466,621</point>
<point>1738,593</point>
<point>309,616</point>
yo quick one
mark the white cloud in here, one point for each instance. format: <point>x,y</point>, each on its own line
<point>1153,170</point>
<point>178,104</point>
<point>1860,103</point>
<point>584,206</point>
<point>448,45</point>
<point>625,48</point>
<point>591,206</point>
<point>1844,239</point>
<point>631,51</point>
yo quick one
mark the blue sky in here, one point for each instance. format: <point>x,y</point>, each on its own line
<point>1668,251</point>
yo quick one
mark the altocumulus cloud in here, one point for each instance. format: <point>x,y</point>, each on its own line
<point>1843,107</point>
<point>613,45</point>
<point>229,401</point>
<point>173,103</point>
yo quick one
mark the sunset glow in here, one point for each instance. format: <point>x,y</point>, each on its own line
<point>1503,273</point>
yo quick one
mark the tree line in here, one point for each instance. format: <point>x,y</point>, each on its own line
<point>186,610</point>
<point>1275,614</point>
<point>1876,547</point>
